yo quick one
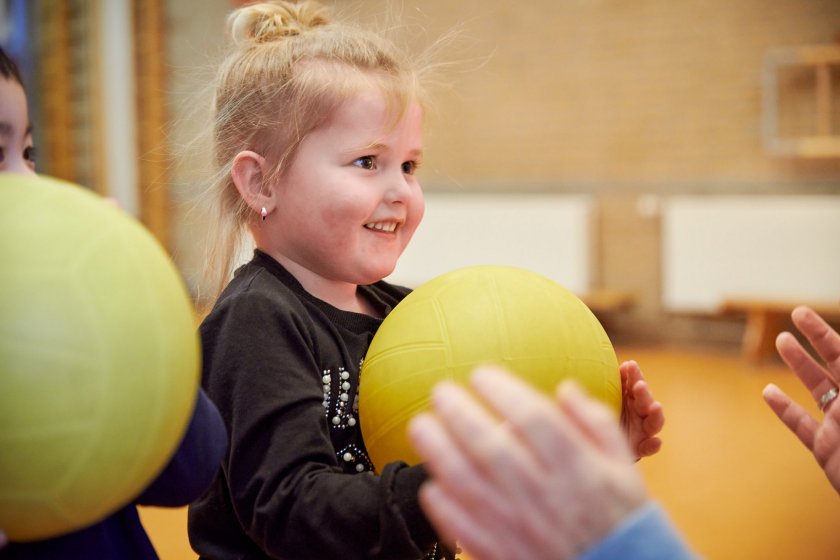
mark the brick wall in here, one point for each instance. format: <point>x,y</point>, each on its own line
<point>627,100</point>
<point>605,91</point>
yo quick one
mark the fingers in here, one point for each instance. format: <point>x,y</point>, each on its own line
<point>461,486</point>
<point>594,420</point>
<point>648,447</point>
<point>521,478</point>
<point>445,460</point>
<point>644,405</point>
<point>530,414</point>
<point>822,337</point>
<point>482,464</point>
<point>812,374</point>
<point>456,523</point>
<point>654,421</point>
<point>640,398</point>
<point>641,415</point>
<point>649,409</point>
<point>570,440</point>
<point>792,415</point>
<point>630,374</point>
<point>827,445</point>
<point>461,453</point>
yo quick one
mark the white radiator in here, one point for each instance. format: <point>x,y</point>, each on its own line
<point>551,234</point>
<point>758,247</point>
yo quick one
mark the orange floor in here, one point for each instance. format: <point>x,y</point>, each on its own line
<point>734,480</point>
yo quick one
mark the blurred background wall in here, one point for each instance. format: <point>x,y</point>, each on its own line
<point>629,103</point>
<point>623,108</point>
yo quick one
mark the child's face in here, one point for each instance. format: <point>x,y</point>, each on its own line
<point>16,152</point>
<point>349,202</point>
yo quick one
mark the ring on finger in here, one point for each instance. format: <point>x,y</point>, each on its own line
<point>827,398</point>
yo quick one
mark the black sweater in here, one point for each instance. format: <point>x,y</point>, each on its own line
<point>283,368</point>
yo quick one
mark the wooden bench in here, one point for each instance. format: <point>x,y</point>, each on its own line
<point>608,301</point>
<point>766,318</point>
<point>605,303</point>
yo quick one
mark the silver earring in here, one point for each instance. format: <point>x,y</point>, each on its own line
<point>263,213</point>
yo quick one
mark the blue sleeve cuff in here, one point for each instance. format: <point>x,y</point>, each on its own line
<point>195,463</point>
<point>647,534</point>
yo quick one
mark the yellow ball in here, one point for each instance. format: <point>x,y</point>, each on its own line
<point>99,357</point>
<point>477,315</point>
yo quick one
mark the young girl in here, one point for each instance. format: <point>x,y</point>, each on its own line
<point>317,137</point>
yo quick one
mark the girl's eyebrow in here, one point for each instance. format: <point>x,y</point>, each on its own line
<point>373,147</point>
<point>378,147</point>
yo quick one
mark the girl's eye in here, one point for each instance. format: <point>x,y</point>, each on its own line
<point>366,162</point>
<point>410,167</point>
<point>29,154</point>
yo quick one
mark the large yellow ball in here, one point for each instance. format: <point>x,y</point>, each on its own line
<point>477,315</point>
<point>99,357</point>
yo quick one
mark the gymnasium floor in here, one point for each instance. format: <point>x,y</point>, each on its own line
<point>735,481</point>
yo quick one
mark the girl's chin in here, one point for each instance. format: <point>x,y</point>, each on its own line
<point>375,275</point>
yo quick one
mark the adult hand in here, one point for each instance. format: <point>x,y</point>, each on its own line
<point>515,475</point>
<point>822,438</point>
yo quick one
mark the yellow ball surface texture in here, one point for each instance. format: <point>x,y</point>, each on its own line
<point>99,357</point>
<point>477,315</point>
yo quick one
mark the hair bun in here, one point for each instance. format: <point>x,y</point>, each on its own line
<point>265,22</point>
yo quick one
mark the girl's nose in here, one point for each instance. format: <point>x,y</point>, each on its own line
<point>17,165</point>
<point>398,188</point>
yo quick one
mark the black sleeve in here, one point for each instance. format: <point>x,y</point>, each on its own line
<point>196,461</point>
<point>286,488</point>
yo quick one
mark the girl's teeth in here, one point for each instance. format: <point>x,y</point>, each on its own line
<point>382,227</point>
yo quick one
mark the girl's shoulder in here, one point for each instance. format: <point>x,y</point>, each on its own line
<point>256,291</point>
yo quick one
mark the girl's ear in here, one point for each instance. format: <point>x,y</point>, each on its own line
<point>248,172</point>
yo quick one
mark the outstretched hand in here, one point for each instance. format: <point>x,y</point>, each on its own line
<point>515,475</point>
<point>822,438</point>
<point>641,416</point>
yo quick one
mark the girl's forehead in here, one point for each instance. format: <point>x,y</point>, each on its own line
<point>372,112</point>
<point>13,111</point>
<point>367,122</point>
<point>370,124</point>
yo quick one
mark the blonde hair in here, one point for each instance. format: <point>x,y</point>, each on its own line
<point>290,69</point>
